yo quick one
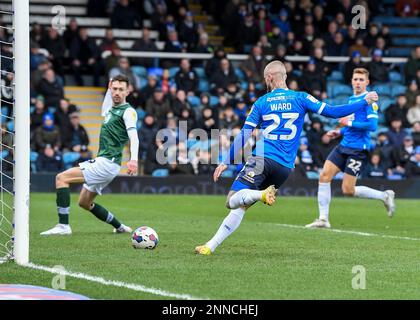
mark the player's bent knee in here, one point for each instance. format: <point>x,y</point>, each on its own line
<point>84,204</point>
<point>325,177</point>
<point>348,191</point>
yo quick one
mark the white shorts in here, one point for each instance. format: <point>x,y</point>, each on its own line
<point>98,173</point>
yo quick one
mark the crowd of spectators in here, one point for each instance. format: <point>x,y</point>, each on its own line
<point>258,28</point>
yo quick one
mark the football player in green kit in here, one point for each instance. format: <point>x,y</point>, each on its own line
<point>118,128</point>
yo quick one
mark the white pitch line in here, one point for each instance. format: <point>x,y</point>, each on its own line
<point>365,234</point>
<point>131,286</point>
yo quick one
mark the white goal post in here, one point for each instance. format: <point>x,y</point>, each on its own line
<point>14,201</point>
<point>22,131</point>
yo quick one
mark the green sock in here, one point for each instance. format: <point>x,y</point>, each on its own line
<point>63,205</point>
<point>102,214</point>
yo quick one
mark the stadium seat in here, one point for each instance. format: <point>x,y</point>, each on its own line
<point>336,76</point>
<point>160,173</point>
<point>140,114</point>
<point>31,109</point>
<point>194,101</point>
<point>172,72</point>
<point>213,101</point>
<point>203,86</point>
<point>341,99</point>
<point>69,158</point>
<point>395,77</point>
<point>382,88</point>
<point>400,51</point>
<point>33,158</point>
<point>384,103</point>
<point>4,154</point>
<point>244,85</point>
<point>398,41</point>
<point>10,126</point>
<point>139,71</point>
<point>157,72</point>
<point>200,73</point>
<point>312,175</point>
<point>240,74</point>
<point>5,111</point>
<point>398,89</point>
<point>341,89</point>
<point>51,110</point>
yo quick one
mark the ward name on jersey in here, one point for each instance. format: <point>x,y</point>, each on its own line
<point>280,115</point>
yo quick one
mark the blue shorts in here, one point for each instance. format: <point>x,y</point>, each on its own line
<point>259,173</point>
<point>348,160</point>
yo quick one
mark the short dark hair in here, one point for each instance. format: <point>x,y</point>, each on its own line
<point>121,78</point>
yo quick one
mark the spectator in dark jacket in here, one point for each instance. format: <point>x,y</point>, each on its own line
<point>79,139</point>
<point>186,78</point>
<point>85,55</point>
<point>144,44</point>
<point>125,16</point>
<point>214,63</point>
<point>375,169</point>
<point>398,110</point>
<point>396,133</point>
<point>158,106</point>
<point>56,47</point>
<point>223,77</point>
<point>313,82</point>
<point>62,118</point>
<point>51,89</point>
<point>38,113</point>
<point>147,134</point>
<point>188,31</point>
<point>377,69</point>
<point>253,67</point>
<point>180,103</point>
<point>247,34</point>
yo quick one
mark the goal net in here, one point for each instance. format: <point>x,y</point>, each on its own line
<point>14,138</point>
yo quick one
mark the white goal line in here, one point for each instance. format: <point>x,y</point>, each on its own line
<point>120,284</point>
<point>358,233</point>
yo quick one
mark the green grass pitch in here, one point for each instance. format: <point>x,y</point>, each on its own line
<point>263,259</point>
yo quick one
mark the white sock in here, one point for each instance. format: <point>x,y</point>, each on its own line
<point>324,199</point>
<point>366,192</point>
<point>230,224</point>
<point>244,197</point>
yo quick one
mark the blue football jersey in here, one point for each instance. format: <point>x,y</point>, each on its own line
<point>280,115</point>
<point>357,138</point>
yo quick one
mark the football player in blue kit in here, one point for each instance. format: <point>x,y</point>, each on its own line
<point>280,116</point>
<point>351,155</point>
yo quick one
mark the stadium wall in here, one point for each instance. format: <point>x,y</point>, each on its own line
<point>43,182</point>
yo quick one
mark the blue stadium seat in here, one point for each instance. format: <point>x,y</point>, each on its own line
<point>33,158</point>
<point>139,71</point>
<point>213,101</point>
<point>244,85</point>
<point>400,52</point>
<point>404,31</point>
<point>341,89</point>
<point>398,89</point>
<point>240,74</point>
<point>406,41</point>
<point>10,126</point>
<point>143,82</point>
<point>193,101</point>
<point>173,71</point>
<point>336,76</point>
<point>160,173</point>
<point>395,77</point>
<point>341,99</point>
<point>4,111</point>
<point>31,109</point>
<point>69,158</point>
<point>140,114</point>
<point>51,110</point>
<point>384,103</point>
<point>200,73</point>
<point>203,86</point>
<point>312,175</point>
<point>382,88</point>
<point>157,72</point>
<point>4,154</point>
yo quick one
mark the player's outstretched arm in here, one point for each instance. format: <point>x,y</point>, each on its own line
<point>342,110</point>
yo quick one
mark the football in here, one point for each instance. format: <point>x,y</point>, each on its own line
<point>144,238</point>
